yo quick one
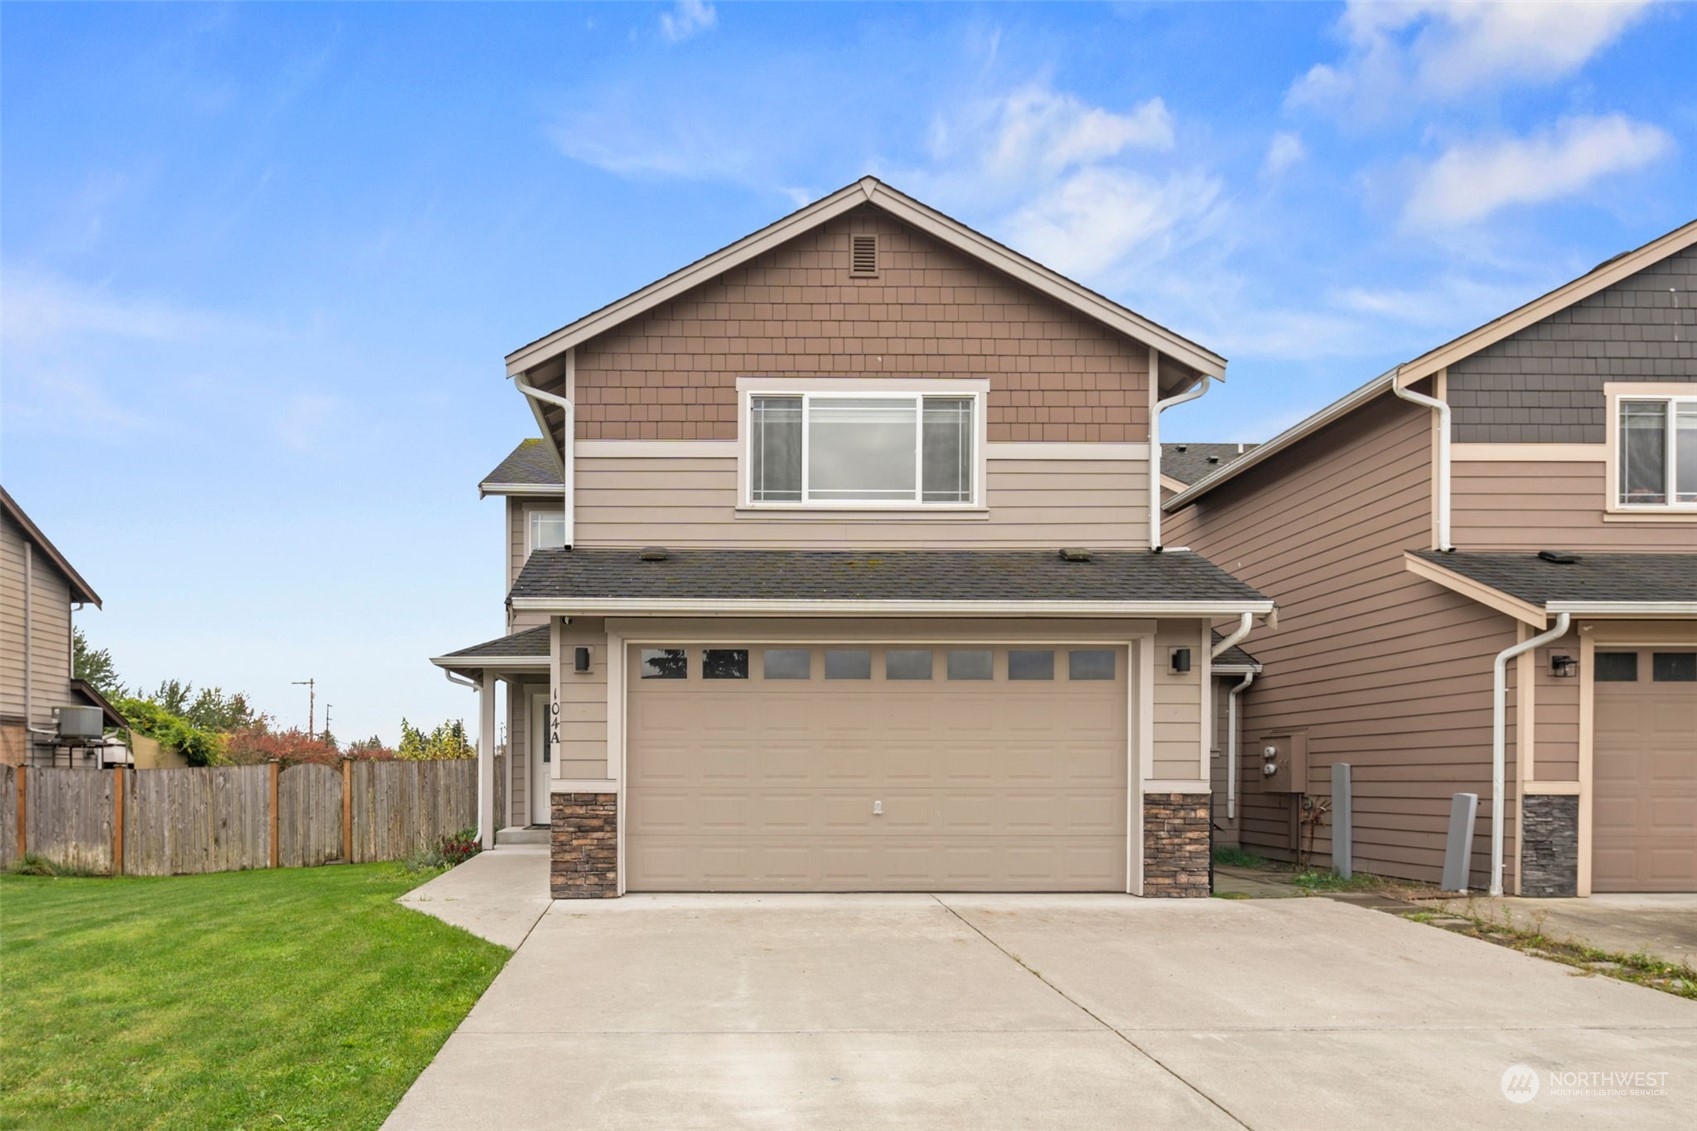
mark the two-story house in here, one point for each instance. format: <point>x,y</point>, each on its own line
<point>837,567</point>
<point>39,593</point>
<point>1486,568</point>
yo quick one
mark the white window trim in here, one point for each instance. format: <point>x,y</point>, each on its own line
<point>1671,394</point>
<point>819,388</point>
<point>531,514</point>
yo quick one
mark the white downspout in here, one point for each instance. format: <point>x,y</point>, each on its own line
<point>567,448</point>
<point>1244,624</point>
<point>1499,737</point>
<point>1443,500</point>
<point>1155,440</point>
<point>1232,743</point>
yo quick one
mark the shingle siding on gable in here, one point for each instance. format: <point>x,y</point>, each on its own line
<point>1544,385</point>
<point>931,312</point>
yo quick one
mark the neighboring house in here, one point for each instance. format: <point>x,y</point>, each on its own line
<point>1184,464</point>
<point>39,589</point>
<point>788,606</point>
<point>1557,513</point>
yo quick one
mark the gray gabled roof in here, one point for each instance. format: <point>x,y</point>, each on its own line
<point>531,464</point>
<point>1191,463</point>
<point>613,578</point>
<point>1593,579</point>
<point>525,647</point>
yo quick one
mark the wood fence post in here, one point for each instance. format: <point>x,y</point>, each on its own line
<point>23,811</point>
<point>276,846</point>
<point>117,820</point>
<point>347,810</point>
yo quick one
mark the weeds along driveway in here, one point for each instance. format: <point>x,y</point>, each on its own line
<point>1035,1011</point>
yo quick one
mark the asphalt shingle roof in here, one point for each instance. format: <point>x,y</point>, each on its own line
<point>922,575</point>
<point>1191,463</point>
<point>1594,577</point>
<point>530,643</point>
<point>529,464</point>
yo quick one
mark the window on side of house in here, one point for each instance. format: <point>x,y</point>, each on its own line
<point>547,530</point>
<point>1656,452</point>
<point>878,449</point>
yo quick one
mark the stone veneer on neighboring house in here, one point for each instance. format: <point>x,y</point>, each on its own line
<point>584,846</point>
<point>1175,844</point>
<point>1549,853</point>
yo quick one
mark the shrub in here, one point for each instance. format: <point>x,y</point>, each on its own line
<point>294,747</point>
<point>200,747</point>
<point>457,848</point>
<point>447,741</point>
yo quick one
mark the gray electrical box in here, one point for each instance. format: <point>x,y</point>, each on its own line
<point>1283,762</point>
<point>80,722</point>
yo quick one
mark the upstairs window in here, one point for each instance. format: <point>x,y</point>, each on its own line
<point>1657,452</point>
<point>547,530</point>
<point>862,449</point>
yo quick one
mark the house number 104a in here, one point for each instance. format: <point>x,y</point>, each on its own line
<point>554,720</point>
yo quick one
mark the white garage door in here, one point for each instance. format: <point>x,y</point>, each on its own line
<point>1644,770</point>
<point>853,768</point>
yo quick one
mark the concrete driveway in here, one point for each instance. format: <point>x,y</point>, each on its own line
<point>1072,1012</point>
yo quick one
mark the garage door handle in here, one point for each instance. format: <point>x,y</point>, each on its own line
<point>877,808</point>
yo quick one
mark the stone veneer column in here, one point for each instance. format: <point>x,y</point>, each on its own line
<point>1175,844</point>
<point>1549,845</point>
<point>584,846</point>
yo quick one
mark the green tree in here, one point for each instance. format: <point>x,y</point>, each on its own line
<point>94,666</point>
<point>447,741</point>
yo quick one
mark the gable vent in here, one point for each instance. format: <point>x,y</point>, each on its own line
<point>863,256</point>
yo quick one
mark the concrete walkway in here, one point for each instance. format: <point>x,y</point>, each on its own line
<point>497,895</point>
<point>1037,1012</point>
<point>1664,926</point>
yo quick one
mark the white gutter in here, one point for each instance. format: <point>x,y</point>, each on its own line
<point>1155,441</point>
<point>568,437</point>
<point>1244,624</point>
<point>1232,743</point>
<point>1625,608</point>
<point>1499,737</point>
<point>1443,490</point>
<point>686,606</point>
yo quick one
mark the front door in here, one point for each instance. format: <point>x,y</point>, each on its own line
<point>541,758</point>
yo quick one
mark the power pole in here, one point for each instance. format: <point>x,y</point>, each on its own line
<point>311,686</point>
<point>327,707</point>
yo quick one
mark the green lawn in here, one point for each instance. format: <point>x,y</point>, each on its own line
<point>300,997</point>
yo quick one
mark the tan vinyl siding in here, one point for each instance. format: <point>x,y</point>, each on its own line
<point>583,703</point>
<point>931,312</point>
<point>518,749</point>
<point>1037,503</point>
<point>1545,504</point>
<point>1379,669</point>
<point>50,632</point>
<point>1555,756</point>
<point>1179,724</point>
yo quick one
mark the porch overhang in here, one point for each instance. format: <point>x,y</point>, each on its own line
<point>1533,587</point>
<point>523,652</point>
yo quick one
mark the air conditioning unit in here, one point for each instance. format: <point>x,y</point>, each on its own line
<point>80,723</point>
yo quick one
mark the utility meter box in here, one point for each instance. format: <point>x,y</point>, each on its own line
<point>1283,762</point>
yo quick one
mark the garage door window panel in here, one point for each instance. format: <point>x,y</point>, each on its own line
<point>1090,664</point>
<point>724,663</point>
<point>1617,667</point>
<point>973,664</point>
<point>665,663</point>
<point>907,664</point>
<point>1029,664</point>
<point>848,663</point>
<point>787,663</point>
<point>1674,667</point>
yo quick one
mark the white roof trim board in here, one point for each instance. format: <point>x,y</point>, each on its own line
<point>870,190</point>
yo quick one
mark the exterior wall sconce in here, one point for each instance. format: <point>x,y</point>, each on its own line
<point>580,660</point>
<point>1563,667</point>
<point>1180,661</point>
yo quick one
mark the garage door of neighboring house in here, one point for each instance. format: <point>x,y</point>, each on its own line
<point>866,768</point>
<point>1644,770</point>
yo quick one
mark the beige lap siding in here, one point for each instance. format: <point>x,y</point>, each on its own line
<point>794,311</point>
<point>583,702</point>
<point>50,635</point>
<point>1551,504</point>
<point>1555,716</point>
<point>1034,503</point>
<point>1178,724</point>
<point>1382,670</point>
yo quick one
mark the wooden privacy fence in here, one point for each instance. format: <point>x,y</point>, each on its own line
<point>227,818</point>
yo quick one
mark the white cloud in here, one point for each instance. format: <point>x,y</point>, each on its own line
<point>1039,130</point>
<point>37,308</point>
<point>1088,222</point>
<point>1410,50</point>
<point>689,18</point>
<point>1286,149</point>
<point>1470,182</point>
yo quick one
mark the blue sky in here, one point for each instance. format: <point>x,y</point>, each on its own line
<point>259,264</point>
